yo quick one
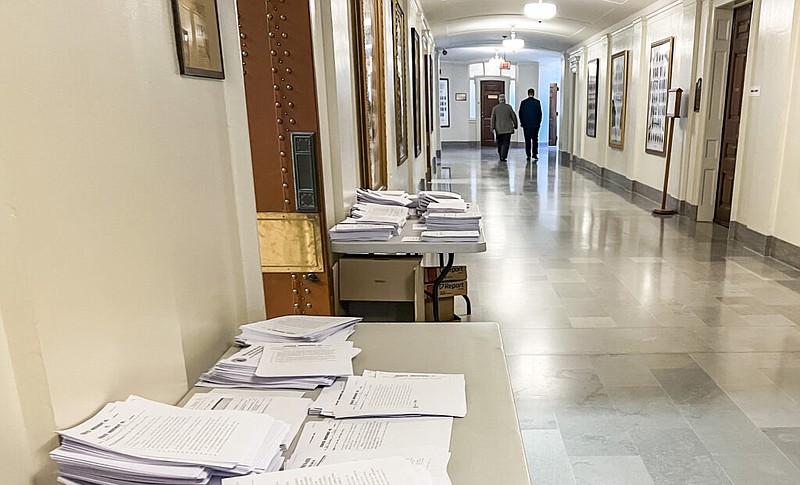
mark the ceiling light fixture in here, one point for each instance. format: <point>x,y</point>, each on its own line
<point>513,44</point>
<point>540,11</point>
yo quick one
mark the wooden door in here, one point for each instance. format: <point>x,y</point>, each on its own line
<point>733,111</point>
<point>282,117</point>
<point>490,92</point>
<point>552,137</point>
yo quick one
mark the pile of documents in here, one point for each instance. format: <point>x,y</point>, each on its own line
<point>141,441</point>
<point>298,328</point>
<point>382,471</point>
<point>347,231</point>
<point>287,365</point>
<point>378,214</point>
<point>384,197</point>
<point>287,406</point>
<point>422,441</point>
<point>468,220</point>
<point>450,236</point>
<point>428,197</point>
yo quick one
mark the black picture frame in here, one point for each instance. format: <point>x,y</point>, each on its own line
<point>444,103</point>
<point>197,38</point>
<point>592,80</point>
<point>415,91</point>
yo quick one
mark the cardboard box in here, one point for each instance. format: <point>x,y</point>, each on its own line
<point>448,288</point>
<point>378,278</point>
<point>457,273</point>
<point>446,309</point>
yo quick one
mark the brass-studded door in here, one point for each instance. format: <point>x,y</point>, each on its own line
<point>277,61</point>
<point>733,111</point>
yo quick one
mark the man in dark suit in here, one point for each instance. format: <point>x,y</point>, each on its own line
<point>530,118</point>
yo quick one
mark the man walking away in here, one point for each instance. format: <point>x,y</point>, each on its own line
<point>504,122</point>
<point>530,117</point>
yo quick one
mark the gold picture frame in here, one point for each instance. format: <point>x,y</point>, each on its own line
<point>368,22</point>
<point>658,91</point>
<point>400,83</point>
<point>618,99</point>
<point>197,38</point>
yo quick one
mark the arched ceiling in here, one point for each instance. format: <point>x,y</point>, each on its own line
<point>483,23</point>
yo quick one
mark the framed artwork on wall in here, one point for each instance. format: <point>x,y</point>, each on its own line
<point>461,96</point>
<point>369,46</point>
<point>433,101</point>
<point>618,101</point>
<point>197,38</point>
<point>415,91</point>
<point>400,83</point>
<point>444,103</point>
<point>660,80</point>
<point>591,97</point>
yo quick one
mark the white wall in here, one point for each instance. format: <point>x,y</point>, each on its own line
<point>549,72</point>
<point>461,127</point>
<point>123,189</point>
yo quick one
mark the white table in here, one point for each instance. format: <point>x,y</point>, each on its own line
<point>396,245</point>
<point>486,445</point>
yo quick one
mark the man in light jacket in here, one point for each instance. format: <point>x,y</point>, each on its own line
<point>504,122</point>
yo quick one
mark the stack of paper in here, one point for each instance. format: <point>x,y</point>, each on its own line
<point>294,366</point>
<point>141,441</point>
<point>450,236</point>
<point>421,441</point>
<point>378,214</point>
<point>455,205</point>
<point>432,196</point>
<point>469,220</point>
<point>292,410</point>
<point>381,471</point>
<point>391,394</point>
<point>326,400</point>
<point>298,328</point>
<point>383,197</point>
<point>348,231</point>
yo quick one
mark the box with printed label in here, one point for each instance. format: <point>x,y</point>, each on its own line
<point>448,288</point>
<point>456,273</point>
<point>446,309</point>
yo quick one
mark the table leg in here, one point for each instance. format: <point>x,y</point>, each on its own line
<point>438,282</point>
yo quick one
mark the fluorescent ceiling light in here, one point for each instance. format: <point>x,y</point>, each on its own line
<point>540,11</point>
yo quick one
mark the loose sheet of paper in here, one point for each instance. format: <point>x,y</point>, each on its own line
<point>439,395</point>
<point>383,471</point>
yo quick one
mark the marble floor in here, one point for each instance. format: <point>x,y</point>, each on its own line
<point>641,350</point>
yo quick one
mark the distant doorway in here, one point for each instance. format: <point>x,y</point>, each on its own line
<point>490,94</point>
<point>740,38</point>
<point>552,136</point>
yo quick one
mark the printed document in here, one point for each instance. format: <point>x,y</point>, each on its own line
<point>432,395</point>
<point>306,359</point>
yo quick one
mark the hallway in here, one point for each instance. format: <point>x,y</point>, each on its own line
<point>641,350</point>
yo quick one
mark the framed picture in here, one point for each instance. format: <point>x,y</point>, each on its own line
<point>461,96</point>
<point>618,101</point>
<point>444,103</point>
<point>400,83</point>
<point>660,79</point>
<point>430,108</point>
<point>591,98</point>
<point>197,38</point>
<point>415,91</point>
<point>369,46</point>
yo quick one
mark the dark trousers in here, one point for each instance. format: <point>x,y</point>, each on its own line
<point>503,142</point>
<point>531,141</point>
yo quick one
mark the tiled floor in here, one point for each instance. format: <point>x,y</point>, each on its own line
<point>641,350</point>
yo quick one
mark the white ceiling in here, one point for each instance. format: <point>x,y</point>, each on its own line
<point>482,23</point>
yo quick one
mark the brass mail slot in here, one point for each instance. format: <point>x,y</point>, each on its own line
<point>290,242</point>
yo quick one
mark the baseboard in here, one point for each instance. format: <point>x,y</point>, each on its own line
<point>616,182</point>
<point>461,144</point>
<point>771,246</point>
